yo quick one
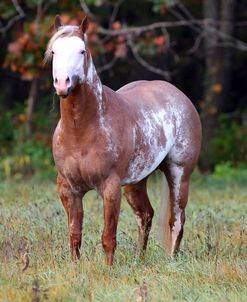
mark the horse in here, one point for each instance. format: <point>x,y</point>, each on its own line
<point>107,139</point>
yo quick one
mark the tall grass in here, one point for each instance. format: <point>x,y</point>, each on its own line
<point>35,265</point>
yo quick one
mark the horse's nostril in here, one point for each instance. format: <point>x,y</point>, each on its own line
<point>56,80</point>
<point>67,80</point>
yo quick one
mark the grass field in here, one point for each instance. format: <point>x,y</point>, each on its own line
<point>35,266</point>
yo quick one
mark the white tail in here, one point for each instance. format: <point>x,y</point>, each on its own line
<point>165,214</point>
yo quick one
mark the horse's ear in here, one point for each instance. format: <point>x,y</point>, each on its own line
<point>84,25</point>
<point>57,23</point>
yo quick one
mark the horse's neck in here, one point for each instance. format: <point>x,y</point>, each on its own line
<point>85,105</point>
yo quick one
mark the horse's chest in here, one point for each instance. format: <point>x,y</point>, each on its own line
<point>81,169</point>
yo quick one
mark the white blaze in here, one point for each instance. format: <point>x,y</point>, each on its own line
<point>68,58</point>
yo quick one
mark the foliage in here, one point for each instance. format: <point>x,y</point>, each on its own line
<point>25,54</point>
<point>33,237</point>
<point>31,158</point>
<point>229,143</point>
<point>227,173</point>
<point>161,5</point>
<point>20,157</point>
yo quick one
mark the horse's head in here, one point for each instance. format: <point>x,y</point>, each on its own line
<point>68,52</point>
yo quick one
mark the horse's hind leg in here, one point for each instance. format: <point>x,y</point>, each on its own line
<point>137,198</point>
<point>178,182</point>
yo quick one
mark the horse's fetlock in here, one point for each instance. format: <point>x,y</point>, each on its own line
<point>75,239</point>
<point>109,244</point>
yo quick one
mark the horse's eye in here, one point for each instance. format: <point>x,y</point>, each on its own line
<point>52,52</point>
<point>83,51</point>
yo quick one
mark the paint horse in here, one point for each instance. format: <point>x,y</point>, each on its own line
<point>106,139</point>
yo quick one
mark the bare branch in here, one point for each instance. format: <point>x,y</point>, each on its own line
<point>107,66</point>
<point>208,26</point>
<point>115,12</point>
<point>15,19</point>
<point>191,21</point>
<point>141,29</point>
<point>87,10</point>
<point>185,11</point>
<point>197,43</point>
<point>18,8</point>
<point>144,63</point>
<point>236,43</point>
<point>46,6</point>
<point>240,23</point>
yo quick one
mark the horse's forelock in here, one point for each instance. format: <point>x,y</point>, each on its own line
<point>64,31</point>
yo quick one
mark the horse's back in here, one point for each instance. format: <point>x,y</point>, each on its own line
<point>158,95</point>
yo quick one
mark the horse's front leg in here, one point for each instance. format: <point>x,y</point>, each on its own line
<point>111,193</point>
<point>72,202</point>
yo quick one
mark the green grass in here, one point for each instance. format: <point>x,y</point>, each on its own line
<point>211,266</point>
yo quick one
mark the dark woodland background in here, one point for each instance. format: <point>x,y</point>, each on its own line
<point>199,46</point>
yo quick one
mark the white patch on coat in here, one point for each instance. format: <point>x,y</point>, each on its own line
<point>91,72</point>
<point>151,151</point>
<point>177,174</point>
<point>139,221</point>
<point>95,84</point>
<point>179,151</point>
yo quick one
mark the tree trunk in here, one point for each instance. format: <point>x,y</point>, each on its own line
<point>30,106</point>
<point>217,70</point>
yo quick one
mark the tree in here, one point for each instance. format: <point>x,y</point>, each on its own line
<point>218,59</point>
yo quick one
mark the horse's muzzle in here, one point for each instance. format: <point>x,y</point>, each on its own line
<point>62,86</point>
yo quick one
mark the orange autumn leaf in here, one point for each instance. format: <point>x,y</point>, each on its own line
<point>109,46</point>
<point>160,42</point>
<point>65,19</point>
<point>116,25</point>
<point>217,88</point>
<point>15,48</point>
<point>13,67</point>
<point>27,75</point>
<point>33,28</point>
<point>163,10</point>
<point>92,26</point>
<point>22,118</point>
<point>212,110</point>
